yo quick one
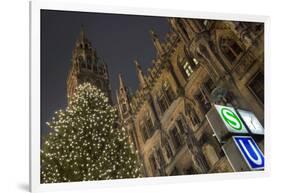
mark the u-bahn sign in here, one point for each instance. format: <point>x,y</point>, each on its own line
<point>243,153</point>
<point>225,122</point>
<point>250,151</point>
<point>232,128</point>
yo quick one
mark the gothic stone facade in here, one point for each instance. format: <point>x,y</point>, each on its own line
<point>201,63</point>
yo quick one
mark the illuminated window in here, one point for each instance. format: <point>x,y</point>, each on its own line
<point>187,68</point>
<point>195,61</point>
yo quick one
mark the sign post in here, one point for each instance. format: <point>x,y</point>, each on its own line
<point>225,122</point>
<point>232,129</point>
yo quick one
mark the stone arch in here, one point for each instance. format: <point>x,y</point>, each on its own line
<point>229,46</point>
<point>202,51</point>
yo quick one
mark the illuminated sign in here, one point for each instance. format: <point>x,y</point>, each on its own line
<point>231,119</point>
<point>250,151</point>
<point>252,122</point>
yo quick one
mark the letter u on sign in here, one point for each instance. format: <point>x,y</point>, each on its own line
<point>250,151</point>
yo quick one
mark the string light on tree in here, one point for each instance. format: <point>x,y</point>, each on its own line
<point>84,143</point>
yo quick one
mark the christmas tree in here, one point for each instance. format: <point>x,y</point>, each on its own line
<point>85,144</point>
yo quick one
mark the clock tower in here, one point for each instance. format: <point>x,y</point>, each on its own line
<point>87,66</point>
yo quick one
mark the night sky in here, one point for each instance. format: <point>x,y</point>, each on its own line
<point>118,39</point>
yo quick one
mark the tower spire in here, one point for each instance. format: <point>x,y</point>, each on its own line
<point>86,65</point>
<point>140,75</point>
<point>156,43</point>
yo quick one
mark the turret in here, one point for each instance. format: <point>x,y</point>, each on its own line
<point>142,81</point>
<point>156,43</point>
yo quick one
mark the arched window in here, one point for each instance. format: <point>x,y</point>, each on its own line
<point>149,124</point>
<point>147,127</point>
<point>144,132</point>
<point>165,97</point>
<point>185,67</point>
<point>181,126</point>
<point>162,102</point>
<point>195,61</point>
<point>168,149</point>
<point>176,138</point>
<point>230,49</point>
